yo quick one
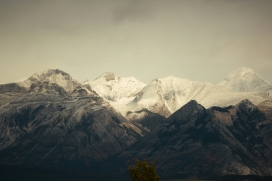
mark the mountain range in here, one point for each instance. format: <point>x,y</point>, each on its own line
<point>166,95</point>
<point>52,119</point>
<point>201,143</point>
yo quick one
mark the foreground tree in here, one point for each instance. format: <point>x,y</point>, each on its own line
<point>143,172</point>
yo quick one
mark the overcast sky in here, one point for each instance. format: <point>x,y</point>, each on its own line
<point>201,40</point>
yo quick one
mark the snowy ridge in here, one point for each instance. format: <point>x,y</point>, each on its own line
<point>116,89</point>
<point>246,80</point>
<point>165,96</point>
<point>52,76</point>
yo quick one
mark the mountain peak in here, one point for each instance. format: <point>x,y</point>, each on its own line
<point>246,80</point>
<point>188,110</point>
<point>107,76</point>
<point>115,88</point>
<point>170,80</point>
<point>246,103</point>
<point>48,73</point>
<point>193,104</point>
<point>246,69</point>
<point>243,71</point>
<point>56,76</point>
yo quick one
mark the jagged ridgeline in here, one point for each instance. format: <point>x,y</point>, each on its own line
<point>53,120</point>
<point>58,121</point>
<point>202,143</point>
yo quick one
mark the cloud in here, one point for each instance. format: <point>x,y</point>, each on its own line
<point>133,10</point>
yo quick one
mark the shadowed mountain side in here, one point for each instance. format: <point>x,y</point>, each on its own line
<point>266,108</point>
<point>199,142</point>
<point>51,134</point>
<point>72,130</point>
<point>12,88</point>
<point>147,119</point>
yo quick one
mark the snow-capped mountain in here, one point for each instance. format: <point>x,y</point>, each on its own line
<point>53,76</point>
<point>55,129</point>
<point>198,142</point>
<point>52,119</point>
<point>114,88</point>
<point>49,80</point>
<point>165,96</point>
<point>51,102</point>
<point>118,91</point>
<point>133,99</point>
<point>246,80</point>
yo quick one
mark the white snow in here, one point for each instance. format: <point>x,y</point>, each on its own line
<point>52,76</point>
<point>246,80</point>
<point>115,88</point>
<point>165,96</point>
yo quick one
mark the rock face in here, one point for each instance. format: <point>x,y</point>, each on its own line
<point>48,81</point>
<point>146,119</point>
<point>199,142</point>
<point>266,108</point>
<point>246,80</point>
<point>12,87</point>
<point>54,76</point>
<point>60,122</point>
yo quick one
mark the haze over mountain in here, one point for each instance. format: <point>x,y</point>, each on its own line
<point>246,80</point>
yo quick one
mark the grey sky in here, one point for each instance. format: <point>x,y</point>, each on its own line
<point>201,40</point>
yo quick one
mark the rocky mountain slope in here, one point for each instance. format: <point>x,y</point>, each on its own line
<point>52,119</point>
<point>50,80</point>
<point>58,121</point>
<point>246,80</point>
<point>199,142</point>
<point>120,91</point>
<point>266,108</point>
